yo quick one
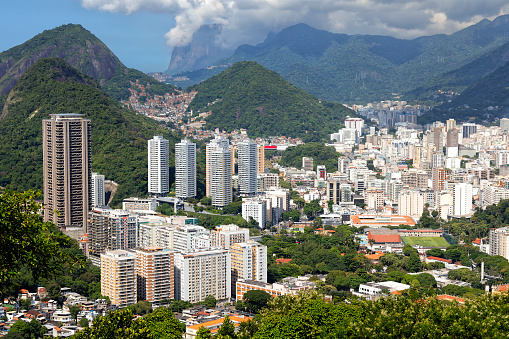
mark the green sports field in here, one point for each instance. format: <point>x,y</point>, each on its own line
<point>425,241</point>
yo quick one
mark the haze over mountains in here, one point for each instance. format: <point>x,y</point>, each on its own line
<point>361,68</point>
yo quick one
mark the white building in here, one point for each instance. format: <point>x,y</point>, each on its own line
<point>346,135</point>
<point>256,208</point>
<point>139,204</point>
<point>158,166</point>
<point>98,190</point>
<point>247,153</point>
<point>249,262</point>
<point>219,172</point>
<point>411,203</point>
<point>200,273</point>
<point>185,169</point>
<point>156,234</point>
<point>226,235</point>
<point>355,123</point>
<point>376,289</point>
<point>190,237</point>
<point>462,199</point>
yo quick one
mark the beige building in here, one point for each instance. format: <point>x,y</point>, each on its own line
<point>118,278</point>
<point>155,274</point>
<point>249,261</point>
<point>261,159</point>
<point>67,169</point>
<point>267,181</point>
<point>439,176</point>
<point>307,164</point>
<point>226,235</point>
<point>411,203</point>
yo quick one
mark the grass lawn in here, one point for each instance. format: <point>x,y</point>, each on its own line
<point>425,241</point>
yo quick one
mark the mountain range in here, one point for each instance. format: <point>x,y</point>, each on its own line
<point>362,68</point>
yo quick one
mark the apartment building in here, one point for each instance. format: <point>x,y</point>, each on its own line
<point>255,208</point>
<point>203,272</point>
<point>185,169</point>
<point>158,166</point>
<point>219,172</point>
<point>189,237</point>
<point>98,192</point>
<point>156,234</point>
<point>289,286</point>
<point>154,268</point>
<point>249,262</point>
<point>118,277</point>
<point>266,181</point>
<point>67,169</point>
<point>248,152</point>
<point>225,236</point>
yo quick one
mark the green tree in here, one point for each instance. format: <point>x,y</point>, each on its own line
<point>117,324</point>
<point>161,324</point>
<point>74,310</point>
<point>210,301</point>
<point>180,305</point>
<point>26,240</point>
<point>203,333</point>
<point>83,322</point>
<point>206,201</point>
<point>25,303</point>
<point>227,330</point>
<point>255,300</point>
<point>414,263</point>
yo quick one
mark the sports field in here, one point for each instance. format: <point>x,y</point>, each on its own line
<point>425,241</point>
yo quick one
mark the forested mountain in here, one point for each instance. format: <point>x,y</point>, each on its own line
<point>247,95</point>
<point>80,49</point>
<point>119,136</point>
<point>360,68</point>
<point>485,99</point>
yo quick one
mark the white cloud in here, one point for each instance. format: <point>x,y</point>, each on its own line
<point>248,21</point>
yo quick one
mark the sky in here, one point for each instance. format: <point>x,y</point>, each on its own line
<point>142,33</point>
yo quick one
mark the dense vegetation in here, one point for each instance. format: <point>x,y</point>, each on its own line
<point>321,154</point>
<point>119,136</point>
<point>365,68</point>
<point>249,96</point>
<point>82,50</point>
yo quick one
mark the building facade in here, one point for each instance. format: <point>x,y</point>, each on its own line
<point>185,169</point>
<point>118,278</point>
<point>255,208</point>
<point>248,163</point>
<point>249,262</point>
<point>218,172</point>
<point>158,166</point>
<point>155,274</point>
<point>67,170</point>
<point>98,192</point>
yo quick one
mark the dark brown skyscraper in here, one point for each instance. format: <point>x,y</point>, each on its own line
<point>67,169</point>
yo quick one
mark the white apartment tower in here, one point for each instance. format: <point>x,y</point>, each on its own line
<point>226,235</point>
<point>200,273</point>
<point>255,208</point>
<point>158,166</point>
<point>67,169</point>
<point>218,172</point>
<point>248,162</point>
<point>185,169</point>
<point>462,199</point>
<point>98,197</point>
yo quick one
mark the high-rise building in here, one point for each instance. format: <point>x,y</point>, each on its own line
<point>438,138</point>
<point>226,235</point>
<point>185,169</point>
<point>261,159</point>
<point>98,190</point>
<point>504,125</point>
<point>374,198</point>
<point>118,278</point>
<point>439,176</point>
<point>203,272</point>
<point>218,172</point>
<point>110,230</point>
<point>190,237</point>
<point>67,169</point>
<point>411,203</point>
<point>499,242</point>
<point>321,172</point>
<point>307,164</point>
<point>462,199</point>
<point>355,123</point>
<point>343,165</point>
<point>248,261</point>
<point>469,129</point>
<point>255,208</point>
<point>437,159</point>
<point>452,137</point>
<point>155,274</point>
<point>266,181</point>
<point>248,151</point>
<point>450,124</point>
<point>158,166</point>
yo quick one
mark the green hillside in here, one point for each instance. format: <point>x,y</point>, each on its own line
<point>249,96</point>
<point>364,68</point>
<point>119,137</point>
<point>80,49</point>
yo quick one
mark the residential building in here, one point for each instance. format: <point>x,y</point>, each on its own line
<point>355,123</point>
<point>158,166</point>
<point>185,169</point>
<point>203,272</point>
<point>439,176</point>
<point>67,170</point>
<point>118,277</point>
<point>289,286</point>
<point>321,172</point>
<point>98,192</point>
<point>307,164</point>
<point>261,159</point>
<point>374,198</point>
<point>504,125</point>
<point>499,242</point>
<point>248,151</point>
<point>154,268</point>
<point>493,195</point>
<point>249,262</point>
<point>214,325</point>
<point>469,129</point>
<point>267,180</point>
<point>225,236</point>
<point>411,203</point>
<point>139,204</point>
<point>218,172</point>
<point>462,199</point>
<point>190,237</point>
<point>156,234</point>
<point>255,208</point>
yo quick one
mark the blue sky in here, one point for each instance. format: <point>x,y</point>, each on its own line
<point>137,39</point>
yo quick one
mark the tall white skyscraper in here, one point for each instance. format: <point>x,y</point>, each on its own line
<point>185,169</point>
<point>158,166</point>
<point>462,199</point>
<point>248,167</point>
<point>98,189</point>
<point>218,172</point>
